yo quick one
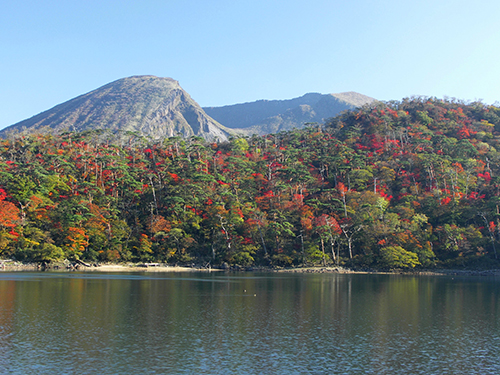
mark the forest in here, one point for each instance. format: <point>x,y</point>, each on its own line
<point>395,185</point>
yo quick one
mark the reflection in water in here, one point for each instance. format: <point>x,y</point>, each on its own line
<point>247,323</point>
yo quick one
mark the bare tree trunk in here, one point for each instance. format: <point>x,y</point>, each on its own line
<point>262,239</point>
<point>332,242</point>
<point>323,251</point>
<point>302,245</point>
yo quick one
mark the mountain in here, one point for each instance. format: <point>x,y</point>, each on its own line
<point>154,106</point>
<point>158,108</point>
<point>272,116</point>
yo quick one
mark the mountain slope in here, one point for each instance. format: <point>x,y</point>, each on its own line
<point>271,116</point>
<point>154,106</point>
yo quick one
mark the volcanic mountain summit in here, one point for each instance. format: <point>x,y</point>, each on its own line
<point>273,116</point>
<point>157,107</point>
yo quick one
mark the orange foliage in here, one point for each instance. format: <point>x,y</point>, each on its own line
<point>77,239</point>
<point>9,214</point>
<point>98,221</point>
<point>326,221</point>
<point>159,224</point>
<point>306,218</point>
<point>341,188</point>
<point>491,226</point>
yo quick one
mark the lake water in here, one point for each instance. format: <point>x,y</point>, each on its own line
<point>245,323</point>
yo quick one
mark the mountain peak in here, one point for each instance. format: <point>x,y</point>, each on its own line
<point>271,116</point>
<point>158,107</point>
<point>154,106</point>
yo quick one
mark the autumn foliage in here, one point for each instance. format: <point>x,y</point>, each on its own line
<point>400,184</point>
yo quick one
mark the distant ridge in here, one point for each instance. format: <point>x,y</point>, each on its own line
<point>271,116</point>
<point>158,108</point>
<point>153,106</point>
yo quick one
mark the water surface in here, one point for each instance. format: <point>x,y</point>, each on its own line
<point>222,323</point>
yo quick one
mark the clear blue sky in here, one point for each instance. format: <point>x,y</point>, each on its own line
<point>226,52</point>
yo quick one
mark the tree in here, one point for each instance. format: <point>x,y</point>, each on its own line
<point>328,229</point>
<point>397,257</point>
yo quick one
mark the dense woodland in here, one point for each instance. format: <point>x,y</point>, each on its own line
<point>413,183</point>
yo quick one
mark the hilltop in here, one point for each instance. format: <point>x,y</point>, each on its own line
<point>159,108</point>
<point>272,116</point>
<point>151,106</point>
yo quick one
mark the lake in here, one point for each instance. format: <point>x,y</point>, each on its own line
<point>248,323</point>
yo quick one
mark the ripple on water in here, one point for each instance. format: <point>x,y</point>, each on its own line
<point>335,324</point>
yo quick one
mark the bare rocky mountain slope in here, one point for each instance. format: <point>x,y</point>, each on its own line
<point>272,116</point>
<point>158,108</point>
<point>149,105</point>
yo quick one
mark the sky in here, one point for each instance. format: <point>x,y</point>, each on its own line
<point>227,52</point>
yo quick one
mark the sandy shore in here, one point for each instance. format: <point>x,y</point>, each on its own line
<point>9,266</point>
<point>18,266</point>
<point>139,268</point>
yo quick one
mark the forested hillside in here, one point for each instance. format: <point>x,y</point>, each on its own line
<point>397,185</point>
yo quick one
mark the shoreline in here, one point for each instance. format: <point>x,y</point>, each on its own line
<point>14,266</point>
